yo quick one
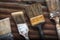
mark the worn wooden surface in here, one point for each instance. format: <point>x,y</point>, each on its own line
<point>48,28</point>
<point>22,0</point>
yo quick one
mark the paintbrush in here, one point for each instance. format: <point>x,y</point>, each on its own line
<point>21,23</point>
<point>53,6</point>
<point>5,29</point>
<point>37,18</point>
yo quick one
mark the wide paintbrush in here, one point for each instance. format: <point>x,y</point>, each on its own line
<point>35,14</point>
<point>5,29</point>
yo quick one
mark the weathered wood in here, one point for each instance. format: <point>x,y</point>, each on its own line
<point>46,32</point>
<point>50,37</point>
<point>6,10</point>
<point>13,5</point>
<point>19,37</point>
<point>22,0</point>
<point>49,26</point>
<point>33,34</point>
<point>49,32</point>
<point>10,0</point>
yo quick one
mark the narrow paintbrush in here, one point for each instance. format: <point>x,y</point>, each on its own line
<point>21,23</point>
